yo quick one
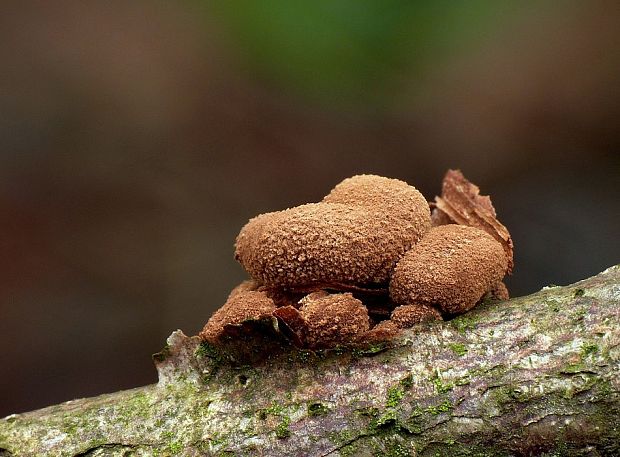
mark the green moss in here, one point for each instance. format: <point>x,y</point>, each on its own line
<point>494,371</point>
<point>317,409</point>
<point>464,323</point>
<point>588,349</point>
<point>443,407</point>
<point>370,350</point>
<point>387,420</point>
<point>304,356</point>
<point>282,430</point>
<point>175,447</point>
<point>573,368</point>
<point>349,450</point>
<point>341,437</point>
<point>440,386</point>
<point>554,305</point>
<point>206,349</point>
<point>162,355</point>
<point>70,426</point>
<point>588,382</point>
<point>368,411</point>
<point>579,293</point>
<point>580,314</point>
<point>407,382</point>
<point>465,380</point>
<point>275,410</point>
<point>458,348</point>
<point>394,395</point>
<point>394,450</point>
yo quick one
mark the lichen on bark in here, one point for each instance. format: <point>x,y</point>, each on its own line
<point>536,375</point>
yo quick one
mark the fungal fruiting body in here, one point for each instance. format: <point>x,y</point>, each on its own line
<point>354,236</point>
<point>242,305</point>
<point>406,316</point>
<point>365,263</point>
<point>452,267</point>
<point>333,319</point>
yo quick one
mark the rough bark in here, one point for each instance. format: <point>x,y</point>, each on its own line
<point>536,375</point>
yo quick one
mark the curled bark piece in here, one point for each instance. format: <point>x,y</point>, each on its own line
<point>461,203</point>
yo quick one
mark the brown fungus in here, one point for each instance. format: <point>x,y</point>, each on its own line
<point>242,305</point>
<point>383,331</point>
<point>394,199</point>
<point>245,286</point>
<point>499,292</point>
<point>453,266</point>
<point>336,319</point>
<point>407,316</point>
<point>355,236</point>
<point>333,273</point>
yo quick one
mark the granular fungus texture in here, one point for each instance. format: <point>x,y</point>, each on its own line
<point>383,331</point>
<point>406,316</point>
<point>245,286</point>
<point>242,305</point>
<point>362,265</point>
<point>333,319</point>
<point>452,267</point>
<point>499,292</point>
<point>355,236</point>
<point>395,200</point>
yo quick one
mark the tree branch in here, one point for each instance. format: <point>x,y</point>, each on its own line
<point>529,376</point>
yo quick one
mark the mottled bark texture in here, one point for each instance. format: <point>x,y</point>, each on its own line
<point>536,375</point>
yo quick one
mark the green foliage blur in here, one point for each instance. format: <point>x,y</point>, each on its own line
<point>353,49</point>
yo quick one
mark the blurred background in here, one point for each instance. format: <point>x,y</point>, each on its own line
<point>136,138</point>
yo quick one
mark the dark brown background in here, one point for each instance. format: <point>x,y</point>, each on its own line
<point>138,137</point>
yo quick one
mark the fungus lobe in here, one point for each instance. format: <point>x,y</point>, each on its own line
<point>354,236</point>
<point>242,305</point>
<point>333,319</point>
<point>406,316</point>
<point>452,267</point>
<point>361,265</point>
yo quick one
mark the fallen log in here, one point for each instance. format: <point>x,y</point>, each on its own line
<point>535,375</point>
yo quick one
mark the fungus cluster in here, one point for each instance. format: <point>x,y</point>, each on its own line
<point>364,263</point>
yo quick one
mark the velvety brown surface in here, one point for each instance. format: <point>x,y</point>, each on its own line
<point>499,292</point>
<point>452,266</point>
<point>333,319</point>
<point>240,306</point>
<point>356,235</point>
<point>383,331</point>
<point>396,200</point>
<point>406,316</point>
<point>245,286</point>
